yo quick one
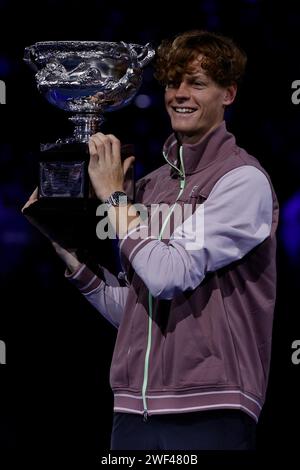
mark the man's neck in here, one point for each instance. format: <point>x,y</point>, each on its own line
<point>195,139</point>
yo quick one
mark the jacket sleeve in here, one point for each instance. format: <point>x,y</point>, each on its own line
<point>108,300</point>
<point>236,217</point>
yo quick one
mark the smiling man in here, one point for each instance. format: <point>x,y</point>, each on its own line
<point>194,317</point>
<point>195,102</point>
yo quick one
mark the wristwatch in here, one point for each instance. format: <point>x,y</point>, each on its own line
<point>118,198</point>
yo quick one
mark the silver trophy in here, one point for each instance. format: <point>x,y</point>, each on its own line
<point>86,79</point>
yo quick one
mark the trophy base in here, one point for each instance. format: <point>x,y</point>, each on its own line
<point>70,223</point>
<point>64,220</point>
<point>63,170</point>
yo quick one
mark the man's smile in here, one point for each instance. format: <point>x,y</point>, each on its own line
<point>183,109</point>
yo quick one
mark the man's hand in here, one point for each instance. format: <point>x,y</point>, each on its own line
<point>33,198</point>
<point>105,168</point>
<point>69,257</point>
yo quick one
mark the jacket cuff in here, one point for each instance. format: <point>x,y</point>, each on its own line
<point>84,279</point>
<point>134,241</point>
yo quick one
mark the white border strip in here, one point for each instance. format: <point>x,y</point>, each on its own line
<point>191,395</point>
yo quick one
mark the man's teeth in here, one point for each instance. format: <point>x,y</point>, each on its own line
<point>184,110</point>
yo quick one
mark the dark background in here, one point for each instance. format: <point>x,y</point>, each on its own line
<point>54,389</point>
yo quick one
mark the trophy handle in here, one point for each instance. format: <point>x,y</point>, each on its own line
<point>29,58</point>
<point>139,56</point>
<point>144,54</point>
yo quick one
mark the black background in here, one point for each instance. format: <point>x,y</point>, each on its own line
<point>54,389</point>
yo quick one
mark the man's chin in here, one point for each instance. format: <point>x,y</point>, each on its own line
<point>183,130</point>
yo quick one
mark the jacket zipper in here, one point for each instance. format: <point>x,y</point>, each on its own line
<point>150,297</point>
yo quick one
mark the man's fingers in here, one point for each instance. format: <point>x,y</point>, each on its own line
<point>103,145</point>
<point>33,198</point>
<point>28,203</point>
<point>128,162</point>
<point>116,147</point>
<point>93,154</point>
<point>34,195</point>
<point>25,206</point>
<point>108,147</point>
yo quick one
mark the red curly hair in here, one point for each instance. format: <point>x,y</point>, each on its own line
<point>222,60</point>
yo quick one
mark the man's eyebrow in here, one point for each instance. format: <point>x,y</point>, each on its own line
<point>199,75</point>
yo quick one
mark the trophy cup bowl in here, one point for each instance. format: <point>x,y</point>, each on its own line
<point>88,78</point>
<point>85,79</point>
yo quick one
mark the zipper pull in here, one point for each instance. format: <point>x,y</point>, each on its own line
<point>123,277</point>
<point>181,183</point>
<point>145,416</point>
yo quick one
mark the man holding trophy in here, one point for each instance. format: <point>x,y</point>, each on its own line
<point>194,313</point>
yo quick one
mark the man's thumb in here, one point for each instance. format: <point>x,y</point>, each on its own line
<point>127,164</point>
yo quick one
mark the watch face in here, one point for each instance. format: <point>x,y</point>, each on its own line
<point>119,198</point>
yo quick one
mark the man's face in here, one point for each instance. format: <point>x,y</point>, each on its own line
<point>196,104</point>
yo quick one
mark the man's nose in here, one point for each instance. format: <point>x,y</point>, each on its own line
<point>182,90</point>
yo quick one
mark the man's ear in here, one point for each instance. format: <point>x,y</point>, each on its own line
<point>229,95</point>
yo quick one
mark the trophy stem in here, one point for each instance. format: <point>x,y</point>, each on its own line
<point>85,126</point>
